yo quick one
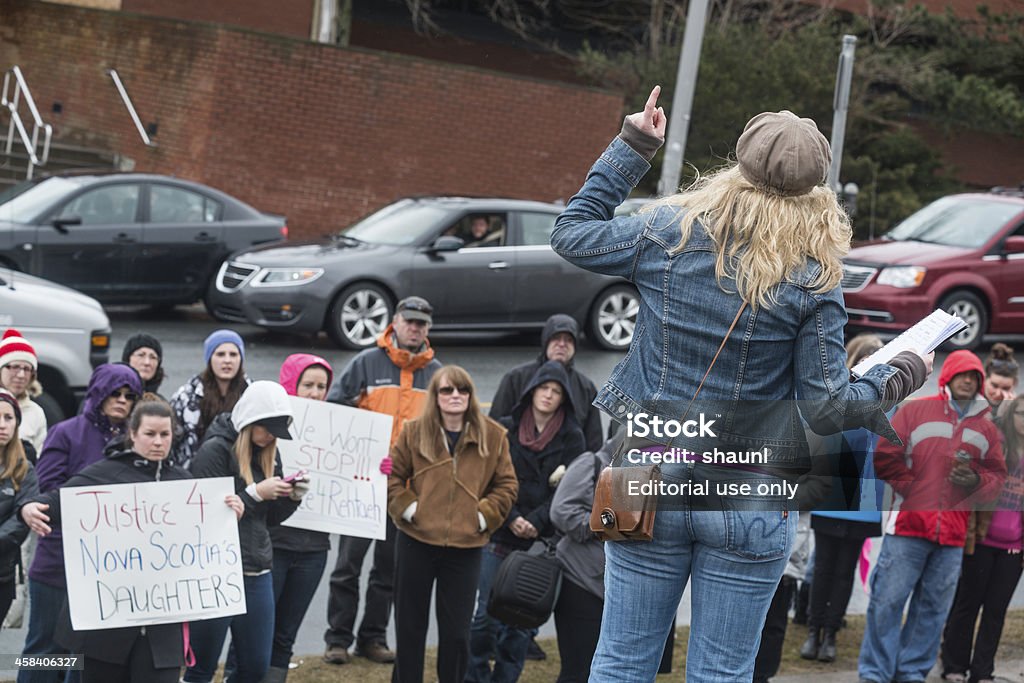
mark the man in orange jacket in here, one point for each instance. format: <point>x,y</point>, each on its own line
<point>390,378</point>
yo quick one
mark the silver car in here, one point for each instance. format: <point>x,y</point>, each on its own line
<point>484,264</point>
<point>69,331</point>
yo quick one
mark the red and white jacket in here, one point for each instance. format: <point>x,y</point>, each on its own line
<point>926,504</point>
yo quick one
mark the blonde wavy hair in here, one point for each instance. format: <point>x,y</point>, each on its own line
<point>761,238</point>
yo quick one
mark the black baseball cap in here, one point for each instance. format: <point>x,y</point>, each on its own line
<point>415,308</point>
<point>277,425</point>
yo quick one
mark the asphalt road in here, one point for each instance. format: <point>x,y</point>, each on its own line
<point>486,356</point>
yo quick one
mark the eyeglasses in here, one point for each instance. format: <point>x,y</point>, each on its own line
<point>19,369</point>
<point>449,390</point>
<point>126,395</point>
<point>145,355</point>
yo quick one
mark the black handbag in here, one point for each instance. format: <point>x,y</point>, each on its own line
<point>526,588</point>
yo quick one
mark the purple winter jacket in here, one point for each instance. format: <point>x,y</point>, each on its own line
<point>70,447</point>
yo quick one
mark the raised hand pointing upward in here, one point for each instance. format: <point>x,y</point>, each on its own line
<point>652,119</point>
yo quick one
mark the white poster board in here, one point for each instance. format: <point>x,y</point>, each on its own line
<point>341,447</point>
<point>151,553</point>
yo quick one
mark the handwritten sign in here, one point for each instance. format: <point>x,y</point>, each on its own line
<point>151,553</point>
<point>341,447</point>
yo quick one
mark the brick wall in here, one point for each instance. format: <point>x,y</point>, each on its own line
<point>285,17</point>
<point>318,133</point>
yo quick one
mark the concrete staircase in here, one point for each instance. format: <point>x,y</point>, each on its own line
<point>63,158</point>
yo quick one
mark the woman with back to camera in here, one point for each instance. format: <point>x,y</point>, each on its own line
<point>451,486</point>
<point>992,566</point>
<point>213,391</point>
<point>738,280</point>
<point>17,486</point>
<point>242,444</point>
<point>154,653</point>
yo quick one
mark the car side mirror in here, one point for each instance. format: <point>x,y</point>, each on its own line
<point>447,243</point>
<point>60,224</point>
<point>1014,244</point>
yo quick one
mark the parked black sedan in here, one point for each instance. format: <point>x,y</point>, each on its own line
<point>484,264</point>
<point>127,237</point>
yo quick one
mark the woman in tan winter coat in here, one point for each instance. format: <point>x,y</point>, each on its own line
<point>451,486</point>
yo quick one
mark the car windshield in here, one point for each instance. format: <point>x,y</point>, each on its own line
<point>955,222</point>
<point>23,203</point>
<point>402,223</point>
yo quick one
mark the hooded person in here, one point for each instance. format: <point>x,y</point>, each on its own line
<point>154,653</point>
<point>300,555</point>
<point>544,438</point>
<point>70,447</point>
<point>145,353</point>
<point>242,445</point>
<point>951,461</point>
<point>558,342</point>
<point>19,366</point>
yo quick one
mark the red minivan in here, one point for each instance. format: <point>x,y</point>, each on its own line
<point>963,253</point>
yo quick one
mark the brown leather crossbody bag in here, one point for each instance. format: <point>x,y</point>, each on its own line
<point>617,516</point>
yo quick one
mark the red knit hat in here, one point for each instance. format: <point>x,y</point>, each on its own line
<point>13,347</point>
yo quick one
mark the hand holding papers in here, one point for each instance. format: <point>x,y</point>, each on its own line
<point>924,337</point>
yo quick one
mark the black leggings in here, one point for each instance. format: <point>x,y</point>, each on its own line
<point>987,581</point>
<point>835,565</point>
<point>578,626</point>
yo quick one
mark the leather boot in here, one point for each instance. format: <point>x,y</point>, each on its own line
<point>275,674</point>
<point>809,650</point>
<point>827,651</point>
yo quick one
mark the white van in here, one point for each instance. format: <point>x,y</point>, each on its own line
<point>70,333</point>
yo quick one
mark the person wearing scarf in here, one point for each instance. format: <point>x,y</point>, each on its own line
<point>544,437</point>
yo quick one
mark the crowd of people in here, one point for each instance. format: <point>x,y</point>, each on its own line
<point>739,287</point>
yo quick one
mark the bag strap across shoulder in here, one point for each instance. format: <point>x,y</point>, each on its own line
<point>700,386</point>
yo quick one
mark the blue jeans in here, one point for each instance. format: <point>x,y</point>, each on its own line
<point>491,639</point>
<point>45,605</point>
<point>296,577</point>
<point>251,634</point>
<point>735,558</point>
<point>925,572</point>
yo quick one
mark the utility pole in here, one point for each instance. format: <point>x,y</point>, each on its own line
<point>840,105</point>
<point>682,101</point>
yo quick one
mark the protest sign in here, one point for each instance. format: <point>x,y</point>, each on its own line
<point>341,447</point>
<point>151,553</point>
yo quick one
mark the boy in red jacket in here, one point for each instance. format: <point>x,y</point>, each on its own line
<point>951,461</point>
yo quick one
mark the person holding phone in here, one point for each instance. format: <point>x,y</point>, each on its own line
<point>153,653</point>
<point>242,444</point>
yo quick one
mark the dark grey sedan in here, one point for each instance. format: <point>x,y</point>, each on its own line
<point>127,237</point>
<point>484,264</point>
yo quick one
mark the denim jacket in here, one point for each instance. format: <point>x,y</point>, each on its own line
<point>776,354</point>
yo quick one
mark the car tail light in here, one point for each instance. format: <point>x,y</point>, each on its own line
<point>284,232</point>
<point>99,347</point>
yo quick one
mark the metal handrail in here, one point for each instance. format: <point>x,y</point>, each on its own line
<point>131,108</point>
<point>12,103</point>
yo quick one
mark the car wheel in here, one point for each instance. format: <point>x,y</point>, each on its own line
<point>359,315</point>
<point>613,317</point>
<point>971,310</point>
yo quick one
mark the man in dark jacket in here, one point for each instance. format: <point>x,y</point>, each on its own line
<point>558,342</point>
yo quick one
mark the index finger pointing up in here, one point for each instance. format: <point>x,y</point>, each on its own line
<point>652,100</point>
